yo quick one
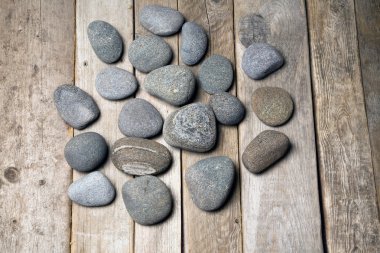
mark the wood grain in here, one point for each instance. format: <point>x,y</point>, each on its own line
<point>281,210</point>
<point>346,171</point>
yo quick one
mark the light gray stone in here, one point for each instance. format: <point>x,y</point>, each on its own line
<point>228,109</point>
<point>194,43</point>
<point>216,74</point>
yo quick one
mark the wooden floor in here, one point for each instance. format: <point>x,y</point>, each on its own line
<point>323,196</point>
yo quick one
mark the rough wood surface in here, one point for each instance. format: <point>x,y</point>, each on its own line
<point>346,171</point>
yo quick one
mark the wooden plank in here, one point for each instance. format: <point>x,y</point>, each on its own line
<point>281,210</point>
<point>106,229</point>
<point>36,55</point>
<point>346,171</point>
<point>213,231</point>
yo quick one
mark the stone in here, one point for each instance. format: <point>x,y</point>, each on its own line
<point>264,150</point>
<point>137,156</point>
<point>174,84</point>
<point>139,118</point>
<point>160,20</point>
<point>260,60</point>
<point>94,189</point>
<point>253,28</point>
<point>114,83</point>
<point>86,151</point>
<point>194,43</point>
<point>147,199</point>
<point>216,74</point>
<point>228,109</point>
<point>75,106</point>
<point>210,182</point>
<point>272,105</point>
<point>105,40</point>
<point>192,127</point>
<point>147,53</point>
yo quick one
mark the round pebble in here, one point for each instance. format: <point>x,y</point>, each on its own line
<point>228,109</point>
<point>216,74</point>
<point>194,43</point>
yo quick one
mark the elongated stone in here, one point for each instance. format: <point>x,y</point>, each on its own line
<point>194,43</point>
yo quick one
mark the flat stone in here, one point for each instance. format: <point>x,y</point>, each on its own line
<point>216,74</point>
<point>94,189</point>
<point>105,40</point>
<point>174,84</point>
<point>228,109</point>
<point>260,60</point>
<point>75,106</point>
<point>192,127</point>
<point>147,199</point>
<point>137,156</point>
<point>272,105</point>
<point>194,43</point>
<point>115,83</point>
<point>210,182</point>
<point>264,150</point>
<point>147,53</point>
<point>253,28</point>
<point>86,152</point>
<point>160,20</point>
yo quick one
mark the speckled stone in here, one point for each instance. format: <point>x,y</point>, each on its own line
<point>75,106</point>
<point>105,40</point>
<point>272,105</point>
<point>137,156</point>
<point>216,74</point>
<point>147,199</point>
<point>147,53</point>
<point>260,60</point>
<point>94,189</point>
<point>228,109</point>
<point>174,84</point>
<point>194,43</point>
<point>192,127</point>
<point>161,20</point>
<point>264,150</point>
<point>115,83</point>
<point>210,182</point>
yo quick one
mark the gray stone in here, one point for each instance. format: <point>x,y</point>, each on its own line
<point>136,156</point>
<point>194,43</point>
<point>216,74</point>
<point>264,150</point>
<point>114,83</point>
<point>94,189</point>
<point>192,127</point>
<point>174,84</point>
<point>86,151</point>
<point>161,20</point>
<point>105,40</point>
<point>75,106</point>
<point>210,182</point>
<point>228,109</point>
<point>147,53</point>
<point>260,60</point>
<point>253,28</point>
<point>147,199</point>
<point>139,118</point>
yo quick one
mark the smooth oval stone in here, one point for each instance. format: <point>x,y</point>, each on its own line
<point>194,43</point>
<point>228,109</point>
<point>75,106</point>
<point>137,156</point>
<point>105,40</point>
<point>260,60</point>
<point>147,53</point>
<point>192,127</point>
<point>272,105</point>
<point>210,182</point>
<point>147,199</point>
<point>86,151</point>
<point>161,20</point>
<point>216,74</point>
<point>115,83</point>
<point>264,150</point>
<point>174,84</point>
<point>139,118</point>
<point>94,189</point>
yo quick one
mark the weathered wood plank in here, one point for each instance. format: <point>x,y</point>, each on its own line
<point>36,55</point>
<point>281,210</point>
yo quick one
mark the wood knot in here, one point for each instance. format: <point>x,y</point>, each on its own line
<point>12,174</point>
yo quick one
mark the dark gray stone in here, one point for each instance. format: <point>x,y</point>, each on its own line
<point>194,43</point>
<point>216,74</point>
<point>228,109</point>
<point>253,28</point>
